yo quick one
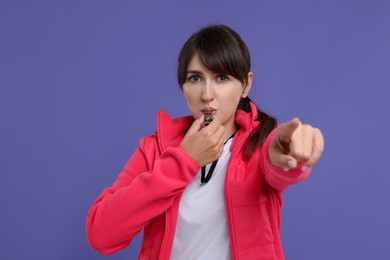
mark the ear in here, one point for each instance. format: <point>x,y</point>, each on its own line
<point>248,85</point>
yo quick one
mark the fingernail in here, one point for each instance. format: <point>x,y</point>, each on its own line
<point>291,164</point>
<point>304,168</point>
<point>286,169</point>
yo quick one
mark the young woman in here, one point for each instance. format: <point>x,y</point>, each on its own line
<point>207,190</point>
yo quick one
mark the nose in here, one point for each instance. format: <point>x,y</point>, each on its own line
<point>208,91</point>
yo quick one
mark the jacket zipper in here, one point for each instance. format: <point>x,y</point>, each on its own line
<point>168,212</point>
<point>229,211</point>
<point>228,200</point>
<point>166,234</point>
<point>229,205</point>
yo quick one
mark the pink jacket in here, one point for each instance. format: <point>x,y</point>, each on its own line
<point>147,193</point>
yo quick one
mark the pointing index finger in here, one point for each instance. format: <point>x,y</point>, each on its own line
<point>286,130</point>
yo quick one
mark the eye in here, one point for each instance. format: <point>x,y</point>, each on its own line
<point>194,78</point>
<point>223,77</point>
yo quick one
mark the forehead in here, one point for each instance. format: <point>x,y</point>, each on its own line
<point>196,64</point>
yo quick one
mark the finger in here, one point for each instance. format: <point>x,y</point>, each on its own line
<point>219,133</point>
<point>196,126</point>
<point>215,151</point>
<point>318,148</point>
<point>214,139</point>
<point>284,161</point>
<point>215,122</point>
<point>307,142</point>
<point>286,130</point>
<point>220,145</point>
<point>212,127</point>
<point>301,146</point>
<point>221,142</point>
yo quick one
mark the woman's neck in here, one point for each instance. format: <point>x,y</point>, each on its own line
<point>229,131</point>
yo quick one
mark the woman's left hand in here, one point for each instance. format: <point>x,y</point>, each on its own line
<point>295,142</point>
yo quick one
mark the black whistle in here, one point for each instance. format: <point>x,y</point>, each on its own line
<point>207,119</point>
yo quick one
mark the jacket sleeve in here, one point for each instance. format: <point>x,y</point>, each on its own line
<point>276,176</point>
<point>146,187</point>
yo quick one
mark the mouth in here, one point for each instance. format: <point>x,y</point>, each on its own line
<point>209,111</point>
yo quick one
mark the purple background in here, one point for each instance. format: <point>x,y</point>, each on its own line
<point>81,81</point>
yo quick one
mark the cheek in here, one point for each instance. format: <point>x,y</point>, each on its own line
<point>230,102</point>
<point>234,96</point>
<point>187,97</point>
<point>191,100</point>
<point>190,95</point>
<point>185,93</point>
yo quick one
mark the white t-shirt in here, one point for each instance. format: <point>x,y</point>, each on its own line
<point>202,230</point>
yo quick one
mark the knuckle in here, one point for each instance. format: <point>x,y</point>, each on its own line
<point>318,132</point>
<point>308,128</point>
<point>295,154</point>
<point>306,156</point>
<point>298,155</point>
<point>217,141</point>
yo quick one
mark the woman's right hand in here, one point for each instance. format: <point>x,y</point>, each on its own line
<point>204,144</point>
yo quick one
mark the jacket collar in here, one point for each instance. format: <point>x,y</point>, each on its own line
<point>247,120</point>
<point>170,132</point>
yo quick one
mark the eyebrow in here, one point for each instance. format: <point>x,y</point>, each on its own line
<point>194,72</point>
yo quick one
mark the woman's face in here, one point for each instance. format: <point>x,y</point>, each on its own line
<point>218,94</point>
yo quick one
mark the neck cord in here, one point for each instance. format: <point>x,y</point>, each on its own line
<point>205,178</point>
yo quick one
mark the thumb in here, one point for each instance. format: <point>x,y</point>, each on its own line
<point>196,126</point>
<point>286,130</point>
<point>283,160</point>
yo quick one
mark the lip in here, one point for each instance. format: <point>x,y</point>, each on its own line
<point>209,110</point>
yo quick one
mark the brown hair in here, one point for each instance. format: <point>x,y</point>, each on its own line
<point>222,50</point>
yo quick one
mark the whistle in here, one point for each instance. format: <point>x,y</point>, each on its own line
<point>207,119</point>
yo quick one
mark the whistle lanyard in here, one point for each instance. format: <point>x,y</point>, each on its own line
<point>205,178</point>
